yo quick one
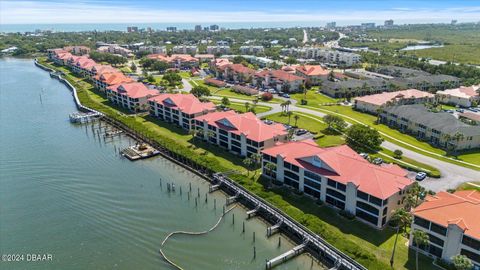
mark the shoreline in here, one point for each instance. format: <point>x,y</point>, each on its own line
<point>207,176</point>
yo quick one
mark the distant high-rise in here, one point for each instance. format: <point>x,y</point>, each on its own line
<point>454,22</point>
<point>368,25</point>
<point>131,29</point>
<point>331,25</point>
<point>214,27</point>
<point>198,28</point>
<point>388,23</point>
<point>172,29</point>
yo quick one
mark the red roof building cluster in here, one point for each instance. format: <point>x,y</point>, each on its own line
<point>188,104</point>
<point>133,90</point>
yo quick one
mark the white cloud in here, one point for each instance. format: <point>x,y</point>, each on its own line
<point>29,12</point>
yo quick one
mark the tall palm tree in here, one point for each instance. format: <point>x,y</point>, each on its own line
<point>296,117</point>
<point>269,168</point>
<point>248,163</point>
<point>402,218</point>
<point>458,136</point>
<point>420,238</point>
<point>289,114</point>
<point>247,106</point>
<point>287,104</point>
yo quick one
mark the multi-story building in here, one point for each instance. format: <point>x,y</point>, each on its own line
<point>214,27</point>
<point>82,65</point>
<point>243,134</point>
<point>185,49</point>
<point>372,103</point>
<point>198,28</point>
<point>104,80</point>
<point>331,25</point>
<point>153,49</point>
<point>218,49</point>
<point>98,69</point>
<point>77,50</point>
<point>388,23</point>
<point>280,80</point>
<point>179,109</point>
<point>236,73</point>
<point>251,49</point>
<point>340,177</point>
<point>115,49</point>
<point>346,88</point>
<point>132,96</point>
<point>323,55</point>
<point>440,129</point>
<point>218,63</point>
<point>313,74</point>
<point>171,29</point>
<point>180,61</point>
<point>58,56</point>
<point>452,222</point>
<point>462,96</point>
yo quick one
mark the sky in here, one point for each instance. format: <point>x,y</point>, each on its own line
<point>198,11</point>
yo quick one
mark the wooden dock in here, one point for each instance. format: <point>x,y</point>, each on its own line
<point>139,151</point>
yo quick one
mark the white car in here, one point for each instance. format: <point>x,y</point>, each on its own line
<point>420,176</point>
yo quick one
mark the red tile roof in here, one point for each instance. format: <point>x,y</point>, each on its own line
<point>343,165</point>
<point>382,98</point>
<point>100,69</point>
<point>471,116</point>
<point>461,208</point>
<point>113,78</point>
<point>462,91</point>
<point>313,70</point>
<point>85,63</point>
<point>220,62</point>
<point>173,58</point>
<point>215,82</point>
<point>188,104</point>
<point>246,123</point>
<point>279,75</point>
<point>238,68</point>
<point>133,90</point>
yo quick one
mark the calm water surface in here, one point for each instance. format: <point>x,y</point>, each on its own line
<point>66,192</point>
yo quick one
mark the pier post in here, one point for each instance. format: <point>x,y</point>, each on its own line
<point>279,241</point>
<point>180,190</point>
<point>196,202</point>
<point>253,237</point>
<point>214,203</point>
<point>223,210</point>
<point>198,192</point>
<point>206,198</point>
<point>233,218</point>
<point>254,252</point>
<point>188,195</point>
<point>190,185</point>
<point>243,227</point>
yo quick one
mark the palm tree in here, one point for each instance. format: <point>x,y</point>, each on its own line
<point>248,163</point>
<point>458,136</point>
<point>296,117</point>
<point>289,114</point>
<point>414,194</point>
<point>283,105</point>
<point>247,106</point>
<point>420,238</point>
<point>269,168</point>
<point>211,134</point>
<point>287,104</point>
<point>402,218</point>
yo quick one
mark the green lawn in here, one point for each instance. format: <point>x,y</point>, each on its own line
<point>396,136</point>
<point>314,99</point>
<point>240,107</point>
<point>461,53</point>
<point>417,166</point>
<point>323,137</point>
<point>185,74</point>
<point>368,246</point>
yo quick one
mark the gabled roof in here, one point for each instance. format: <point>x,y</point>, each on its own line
<point>239,68</point>
<point>280,75</point>
<point>188,104</point>
<point>461,208</point>
<point>462,92</point>
<point>343,165</point>
<point>173,58</point>
<point>383,98</point>
<point>113,78</point>
<point>245,123</point>
<point>85,63</point>
<point>313,70</point>
<point>133,90</point>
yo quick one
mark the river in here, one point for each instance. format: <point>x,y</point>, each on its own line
<point>66,191</point>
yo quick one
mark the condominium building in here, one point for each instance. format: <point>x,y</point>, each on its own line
<point>280,80</point>
<point>340,177</point>
<point>132,96</point>
<point>179,109</point>
<point>452,222</point>
<point>115,49</point>
<point>243,134</point>
<point>219,49</point>
<point>323,55</point>
<point>251,49</point>
<point>98,69</point>
<point>218,63</point>
<point>184,49</point>
<point>462,96</point>
<point>77,50</point>
<point>104,80</point>
<point>236,73</point>
<point>437,128</point>
<point>313,74</point>
<point>372,103</point>
<point>153,49</point>
<point>82,65</point>
<point>179,61</point>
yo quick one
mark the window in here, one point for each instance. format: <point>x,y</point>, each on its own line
<point>336,194</point>
<point>341,187</point>
<point>435,240</point>
<point>312,184</point>
<point>472,256</point>
<point>438,229</point>
<point>422,222</point>
<point>362,195</point>
<point>367,217</point>
<point>385,211</point>
<point>312,192</point>
<point>332,183</point>
<point>313,176</point>
<point>470,242</point>
<point>375,200</point>
<point>368,208</point>
<point>291,175</point>
<point>436,251</point>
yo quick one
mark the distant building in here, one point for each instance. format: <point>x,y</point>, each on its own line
<point>388,23</point>
<point>368,25</point>
<point>198,28</point>
<point>185,49</point>
<point>372,103</point>
<point>132,96</point>
<point>132,29</point>
<point>236,73</point>
<point>462,96</point>
<point>172,29</point>
<point>153,49</point>
<point>331,25</point>
<point>77,50</point>
<point>280,80</point>
<point>454,22</point>
<point>339,177</point>
<point>218,50</point>
<point>180,61</point>
<point>251,49</point>
<point>323,55</point>
<point>452,223</point>
<point>222,43</point>
<point>115,49</point>
<point>314,74</point>
<point>436,128</point>
<point>214,27</point>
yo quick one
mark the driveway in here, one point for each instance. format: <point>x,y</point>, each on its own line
<point>187,87</point>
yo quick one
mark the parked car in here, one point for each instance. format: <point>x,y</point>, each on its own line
<point>300,132</point>
<point>287,126</point>
<point>364,155</point>
<point>377,161</point>
<point>460,110</point>
<point>473,110</point>
<point>420,176</point>
<point>268,122</point>
<point>286,95</point>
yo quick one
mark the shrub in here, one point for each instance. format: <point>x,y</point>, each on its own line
<point>397,154</point>
<point>303,102</point>
<point>267,96</point>
<point>347,215</point>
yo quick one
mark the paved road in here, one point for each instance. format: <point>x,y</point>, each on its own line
<point>305,36</point>
<point>187,87</point>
